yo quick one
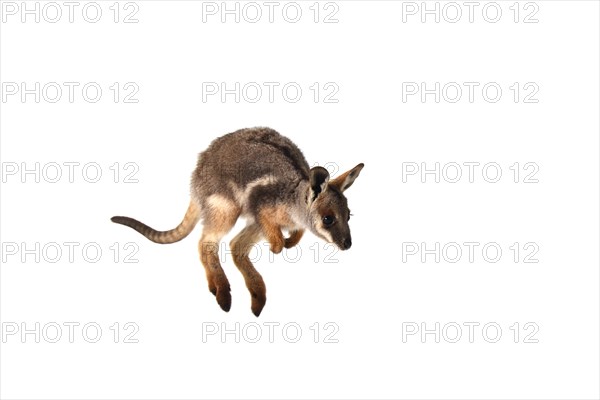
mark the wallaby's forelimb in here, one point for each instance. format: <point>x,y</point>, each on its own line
<point>272,232</point>
<point>294,238</point>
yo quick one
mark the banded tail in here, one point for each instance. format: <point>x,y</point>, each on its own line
<point>192,216</point>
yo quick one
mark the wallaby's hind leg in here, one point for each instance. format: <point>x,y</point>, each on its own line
<point>219,220</point>
<point>217,281</point>
<point>240,248</point>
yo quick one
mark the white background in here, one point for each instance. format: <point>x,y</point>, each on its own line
<point>370,293</point>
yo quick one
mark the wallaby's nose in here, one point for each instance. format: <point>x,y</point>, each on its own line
<point>347,243</point>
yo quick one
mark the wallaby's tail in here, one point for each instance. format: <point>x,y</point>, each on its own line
<point>192,216</point>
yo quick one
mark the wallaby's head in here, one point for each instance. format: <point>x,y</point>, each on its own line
<point>329,213</point>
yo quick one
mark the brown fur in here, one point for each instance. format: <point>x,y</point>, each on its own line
<point>272,220</point>
<point>191,218</point>
<point>260,175</point>
<point>294,238</point>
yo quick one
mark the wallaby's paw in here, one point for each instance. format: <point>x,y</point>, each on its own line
<point>294,239</point>
<point>277,245</point>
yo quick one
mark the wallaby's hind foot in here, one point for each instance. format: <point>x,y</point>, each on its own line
<point>218,285</point>
<point>223,296</point>
<point>258,293</point>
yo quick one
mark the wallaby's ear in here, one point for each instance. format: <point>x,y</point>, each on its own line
<point>319,177</point>
<point>345,180</point>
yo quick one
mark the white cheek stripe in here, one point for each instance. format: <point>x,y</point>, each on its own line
<point>326,234</point>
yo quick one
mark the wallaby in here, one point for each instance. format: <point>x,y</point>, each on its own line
<point>261,175</point>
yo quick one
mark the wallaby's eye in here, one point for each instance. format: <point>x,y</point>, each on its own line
<point>328,220</point>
